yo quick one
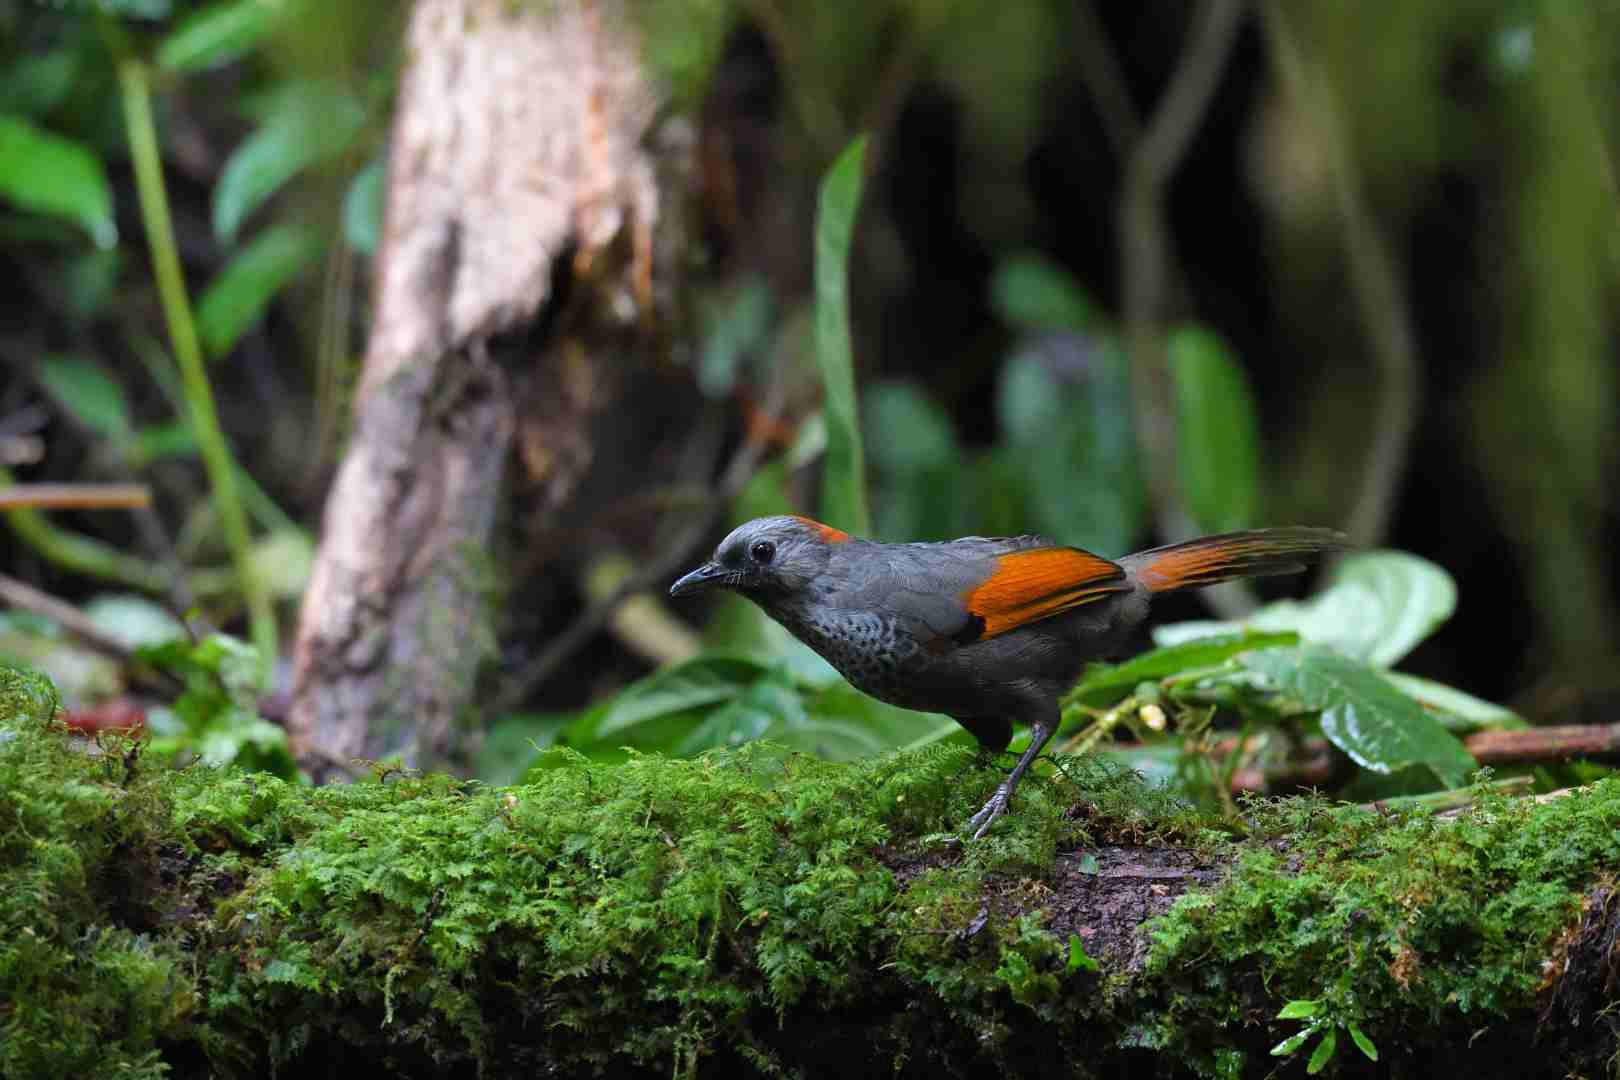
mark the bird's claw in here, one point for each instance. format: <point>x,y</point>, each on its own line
<point>980,823</point>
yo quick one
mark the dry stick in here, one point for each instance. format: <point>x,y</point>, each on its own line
<point>1106,82</point>
<point>1521,746</point>
<point>75,497</point>
<point>19,594</point>
<point>1376,285</point>
<point>1146,259</point>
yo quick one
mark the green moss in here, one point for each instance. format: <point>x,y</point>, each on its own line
<point>754,908</point>
<point>1396,921</point>
<point>77,996</point>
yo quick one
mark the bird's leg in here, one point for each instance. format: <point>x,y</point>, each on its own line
<point>980,823</point>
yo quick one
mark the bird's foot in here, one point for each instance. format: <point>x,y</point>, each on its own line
<point>980,823</point>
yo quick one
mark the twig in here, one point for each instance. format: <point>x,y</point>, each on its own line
<point>1376,285</point>
<point>19,594</point>
<point>75,497</point>
<point>1145,254</point>
<point>1544,744</point>
<point>1106,83</point>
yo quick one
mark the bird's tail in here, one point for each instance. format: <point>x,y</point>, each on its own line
<point>1210,560</point>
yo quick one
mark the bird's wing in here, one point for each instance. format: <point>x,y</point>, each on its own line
<point>1038,583</point>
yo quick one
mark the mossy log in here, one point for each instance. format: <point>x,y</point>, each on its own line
<point>764,912</point>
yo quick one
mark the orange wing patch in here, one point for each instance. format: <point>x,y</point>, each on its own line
<point>1031,585</point>
<point>827,533</point>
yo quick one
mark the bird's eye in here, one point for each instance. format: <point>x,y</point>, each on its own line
<point>762,552</point>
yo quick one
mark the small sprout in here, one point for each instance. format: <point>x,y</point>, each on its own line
<point>1078,957</point>
<point>1152,717</point>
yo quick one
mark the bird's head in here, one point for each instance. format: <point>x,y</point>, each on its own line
<point>764,557</point>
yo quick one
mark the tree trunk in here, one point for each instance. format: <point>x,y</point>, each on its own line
<point>517,160</point>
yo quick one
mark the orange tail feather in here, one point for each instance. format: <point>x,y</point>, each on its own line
<point>1210,560</point>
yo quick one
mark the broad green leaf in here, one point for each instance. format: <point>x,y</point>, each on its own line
<point>513,742</point>
<point>1103,684</point>
<point>308,124</point>
<point>831,739</point>
<point>174,439</point>
<point>1362,713</point>
<point>1377,607</point>
<point>766,705</point>
<point>363,208</point>
<point>1324,1052</point>
<point>1299,1009</point>
<point>732,321</point>
<point>1217,431</point>
<point>238,297</point>
<point>1074,440</point>
<point>133,620</point>
<point>82,388</point>
<point>1296,1040</point>
<point>1469,712</point>
<point>284,560</point>
<point>1364,1044</point>
<point>217,34</point>
<point>843,477</point>
<point>46,173</point>
<point>32,85</point>
<point>1031,292</point>
<point>889,726</point>
<point>88,281</point>
<point>1029,398</point>
<point>906,429</point>
<point>1414,598</point>
<point>696,683</point>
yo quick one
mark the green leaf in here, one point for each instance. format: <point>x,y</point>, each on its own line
<point>1072,438</point>
<point>46,173</point>
<point>32,85</point>
<point>1088,865</point>
<point>766,706</point>
<point>81,387</point>
<point>1299,1009</point>
<point>238,297</point>
<point>217,34</point>
<point>1324,1052</point>
<point>363,208</point>
<point>308,124</point>
<point>1217,431</point>
<point>907,430</point>
<point>1459,711</point>
<point>1104,684</point>
<point>1364,1044</point>
<point>133,620</point>
<point>1377,607</point>
<point>843,483</point>
<point>704,681</point>
<point>1031,292</point>
<point>1296,1040</point>
<point>1414,597</point>
<point>1029,398</point>
<point>1078,958</point>
<point>1362,713</point>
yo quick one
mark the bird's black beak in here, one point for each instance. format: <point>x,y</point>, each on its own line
<point>702,579</point>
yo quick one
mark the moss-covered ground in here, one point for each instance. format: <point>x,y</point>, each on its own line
<point>773,913</point>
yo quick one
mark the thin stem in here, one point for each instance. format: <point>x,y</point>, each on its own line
<point>216,454</point>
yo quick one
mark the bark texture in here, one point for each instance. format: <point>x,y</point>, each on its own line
<point>517,161</point>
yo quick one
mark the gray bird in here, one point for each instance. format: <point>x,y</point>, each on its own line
<point>988,630</point>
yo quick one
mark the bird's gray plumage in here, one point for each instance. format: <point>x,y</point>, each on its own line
<point>898,620</point>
